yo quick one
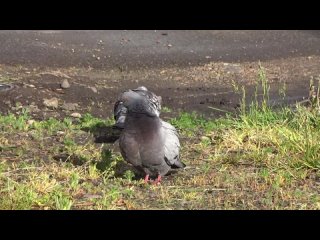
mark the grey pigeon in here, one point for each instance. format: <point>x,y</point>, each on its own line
<point>120,111</point>
<point>147,142</point>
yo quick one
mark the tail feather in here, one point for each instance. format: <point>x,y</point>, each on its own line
<point>178,164</point>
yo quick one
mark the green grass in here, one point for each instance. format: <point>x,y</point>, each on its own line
<point>166,109</point>
<point>259,158</point>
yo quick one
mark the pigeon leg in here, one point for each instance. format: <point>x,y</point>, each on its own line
<point>146,179</point>
<point>158,180</point>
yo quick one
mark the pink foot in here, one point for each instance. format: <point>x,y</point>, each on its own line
<point>146,179</point>
<point>158,180</point>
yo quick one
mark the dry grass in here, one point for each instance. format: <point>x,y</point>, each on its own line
<point>260,159</point>
<point>233,163</point>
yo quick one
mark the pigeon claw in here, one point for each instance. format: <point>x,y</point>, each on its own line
<point>146,179</point>
<point>158,180</point>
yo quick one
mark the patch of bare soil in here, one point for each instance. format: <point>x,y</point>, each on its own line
<point>182,89</point>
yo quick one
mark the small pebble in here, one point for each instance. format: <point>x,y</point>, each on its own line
<point>65,84</point>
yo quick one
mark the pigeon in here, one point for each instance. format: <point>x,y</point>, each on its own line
<point>147,142</point>
<point>120,110</point>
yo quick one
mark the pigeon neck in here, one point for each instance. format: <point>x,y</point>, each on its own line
<point>142,120</point>
<point>138,114</point>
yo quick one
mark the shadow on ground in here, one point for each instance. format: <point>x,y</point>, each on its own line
<point>103,133</point>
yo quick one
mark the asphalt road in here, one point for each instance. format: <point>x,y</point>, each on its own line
<point>152,48</point>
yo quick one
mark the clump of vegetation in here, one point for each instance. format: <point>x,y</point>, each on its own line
<point>259,158</point>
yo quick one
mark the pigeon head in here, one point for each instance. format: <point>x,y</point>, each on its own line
<point>153,98</point>
<point>142,88</point>
<point>136,103</point>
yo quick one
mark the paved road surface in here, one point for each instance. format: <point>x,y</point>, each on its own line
<point>150,48</point>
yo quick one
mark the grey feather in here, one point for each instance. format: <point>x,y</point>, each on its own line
<point>147,142</point>
<point>171,145</point>
<point>120,111</point>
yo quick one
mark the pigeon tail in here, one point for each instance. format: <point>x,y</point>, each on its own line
<point>178,164</point>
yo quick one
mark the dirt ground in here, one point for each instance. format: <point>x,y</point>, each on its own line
<point>194,88</point>
<point>203,184</point>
